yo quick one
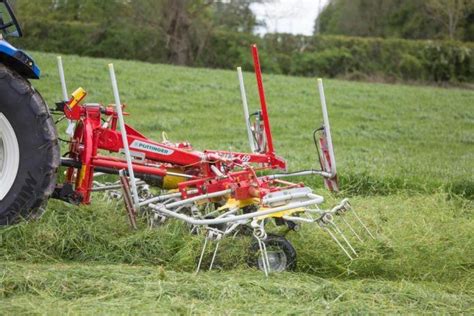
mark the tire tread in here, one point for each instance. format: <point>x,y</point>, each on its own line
<point>46,128</point>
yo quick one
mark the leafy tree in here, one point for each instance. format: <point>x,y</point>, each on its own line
<point>412,19</point>
<point>450,13</point>
<point>236,15</point>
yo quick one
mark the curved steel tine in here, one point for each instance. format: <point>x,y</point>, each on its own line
<point>362,223</point>
<point>202,255</point>
<point>261,246</point>
<point>337,241</point>
<point>351,228</point>
<point>265,253</point>
<point>214,256</point>
<point>343,237</point>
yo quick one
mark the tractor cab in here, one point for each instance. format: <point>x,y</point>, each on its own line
<point>8,24</point>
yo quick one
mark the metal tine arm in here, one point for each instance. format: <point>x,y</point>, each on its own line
<point>343,207</point>
<point>260,234</point>
<point>202,255</point>
<point>264,253</point>
<point>214,255</point>
<point>351,229</point>
<point>334,226</point>
<point>361,222</point>
<point>213,234</point>
<point>337,241</point>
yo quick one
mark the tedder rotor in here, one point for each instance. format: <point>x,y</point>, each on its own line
<point>217,193</point>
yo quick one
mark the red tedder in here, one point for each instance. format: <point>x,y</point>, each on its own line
<point>155,161</point>
<point>216,192</point>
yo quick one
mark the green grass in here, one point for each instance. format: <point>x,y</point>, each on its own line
<point>405,156</point>
<point>123,289</point>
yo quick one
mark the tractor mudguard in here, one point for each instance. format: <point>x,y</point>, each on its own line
<point>18,61</point>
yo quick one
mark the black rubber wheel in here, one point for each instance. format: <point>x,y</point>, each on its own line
<point>27,129</point>
<point>281,254</point>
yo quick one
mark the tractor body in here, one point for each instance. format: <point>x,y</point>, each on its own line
<point>10,56</point>
<point>18,60</point>
<point>26,130</point>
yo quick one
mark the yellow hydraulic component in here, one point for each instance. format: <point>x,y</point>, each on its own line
<point>82,175</point>
<point>76,97</point>
<point>233,203</point>
<point>280,214</point>
<point>171,182</point>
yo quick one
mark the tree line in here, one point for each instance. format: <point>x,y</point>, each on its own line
<point>182,27</point>
<point>409,19</point>
<point>217,34</point>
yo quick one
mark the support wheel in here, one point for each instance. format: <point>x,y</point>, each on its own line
<point>281,254</point>
<point>29,151</point>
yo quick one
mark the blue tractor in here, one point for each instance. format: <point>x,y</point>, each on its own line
<point>29,150</point>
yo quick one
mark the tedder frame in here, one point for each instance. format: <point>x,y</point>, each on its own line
<point>217,192</point>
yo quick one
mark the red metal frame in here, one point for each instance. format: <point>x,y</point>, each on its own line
<point>91,136</point>
<point>263,101</point>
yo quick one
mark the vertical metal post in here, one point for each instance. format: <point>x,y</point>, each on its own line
<point>71,125</point>
<point>263,102</point>
<point>118,106</point>
<point>246,109</point>
<point>327,128</point>
<point>62,79</point>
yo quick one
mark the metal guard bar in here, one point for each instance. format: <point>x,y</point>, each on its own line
<point>314,199</point>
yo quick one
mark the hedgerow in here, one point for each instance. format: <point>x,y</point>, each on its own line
<point>329,56</point>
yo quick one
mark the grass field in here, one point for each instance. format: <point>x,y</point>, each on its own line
<point>405,157</point>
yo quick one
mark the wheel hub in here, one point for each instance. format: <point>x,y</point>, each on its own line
<point>9,156</point>
<point>277,260</point>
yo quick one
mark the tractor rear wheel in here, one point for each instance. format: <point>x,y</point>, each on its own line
<point>29,151</point>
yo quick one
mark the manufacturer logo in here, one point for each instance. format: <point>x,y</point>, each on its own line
<point>138,144</point>
<point>232,156</point>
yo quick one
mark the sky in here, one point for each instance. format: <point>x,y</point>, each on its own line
<point>288,16</point>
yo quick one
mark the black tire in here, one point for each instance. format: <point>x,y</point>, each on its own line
<point>39,154</point>
<point>278,245</point>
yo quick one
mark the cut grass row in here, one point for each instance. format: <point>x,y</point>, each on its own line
<point>424,238</point>
<point>65,288</point>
